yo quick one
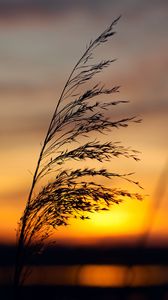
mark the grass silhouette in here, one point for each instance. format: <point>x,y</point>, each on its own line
<point>79,112</point>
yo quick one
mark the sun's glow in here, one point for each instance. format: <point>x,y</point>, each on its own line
<point>99,275</point>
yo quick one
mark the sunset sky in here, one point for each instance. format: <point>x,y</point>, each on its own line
<point>40,43</point>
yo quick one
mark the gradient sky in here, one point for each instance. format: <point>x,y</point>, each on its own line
<point>40,42</point>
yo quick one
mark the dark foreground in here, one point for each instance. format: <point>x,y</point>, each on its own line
<point>54,259</point>
<point>85,293</point>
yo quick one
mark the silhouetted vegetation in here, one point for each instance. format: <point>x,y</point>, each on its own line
<point>76,192</point>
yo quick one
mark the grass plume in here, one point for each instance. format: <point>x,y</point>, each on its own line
<point>75,192</point>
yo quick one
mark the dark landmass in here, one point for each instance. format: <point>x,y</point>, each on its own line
<point>83,293</point>
<point>61,255</point>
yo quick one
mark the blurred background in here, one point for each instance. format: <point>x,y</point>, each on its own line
<point>41,40</point>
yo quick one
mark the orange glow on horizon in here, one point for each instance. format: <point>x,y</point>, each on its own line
<point>123,223</point>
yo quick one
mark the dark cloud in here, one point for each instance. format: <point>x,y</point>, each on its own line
<point>92,6</point>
